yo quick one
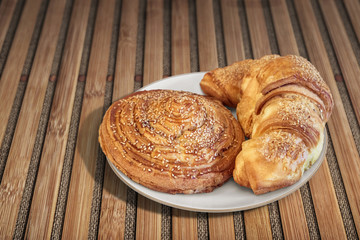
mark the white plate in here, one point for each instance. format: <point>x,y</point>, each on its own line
<point>227,198</point>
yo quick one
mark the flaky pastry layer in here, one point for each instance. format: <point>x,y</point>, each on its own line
<point>282,104</point>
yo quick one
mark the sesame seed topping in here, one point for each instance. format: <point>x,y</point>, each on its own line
<point>169,130</point>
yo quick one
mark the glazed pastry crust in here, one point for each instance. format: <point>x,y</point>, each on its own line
<point>282,104</point>
<point>171,141</point>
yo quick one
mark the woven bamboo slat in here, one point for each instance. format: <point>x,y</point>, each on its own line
<point>353,8</point>
<point>14,178</point>
<point>341,136</point>
<point>113,205</point>
<point>78,209</point>
<point>7,8</point>
<point>15,61</point>
<point>344,52</point>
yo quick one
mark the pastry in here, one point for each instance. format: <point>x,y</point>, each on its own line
<point>171,141</point>
<point>282,104</point>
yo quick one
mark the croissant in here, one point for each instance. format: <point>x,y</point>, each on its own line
<point>172,141</point>
<point>282,104</point>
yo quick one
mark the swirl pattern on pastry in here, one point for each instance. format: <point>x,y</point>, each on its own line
<point>171,141</point>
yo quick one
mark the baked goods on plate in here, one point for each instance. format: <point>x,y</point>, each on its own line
<point>171,141</point>
<point>282,104</point>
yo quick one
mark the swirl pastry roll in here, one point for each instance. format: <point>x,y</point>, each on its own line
<point>282,104</point>
<point>171,141</point>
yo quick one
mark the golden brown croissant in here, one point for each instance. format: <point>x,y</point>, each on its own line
<point>172,141</point>
<point>282,104</point>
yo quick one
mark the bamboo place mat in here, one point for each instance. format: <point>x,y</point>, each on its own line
<point>62,63</point>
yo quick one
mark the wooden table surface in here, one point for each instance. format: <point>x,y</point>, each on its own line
<point>62,63</point>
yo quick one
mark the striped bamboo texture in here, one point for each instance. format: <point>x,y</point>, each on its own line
<point>63,62</point>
